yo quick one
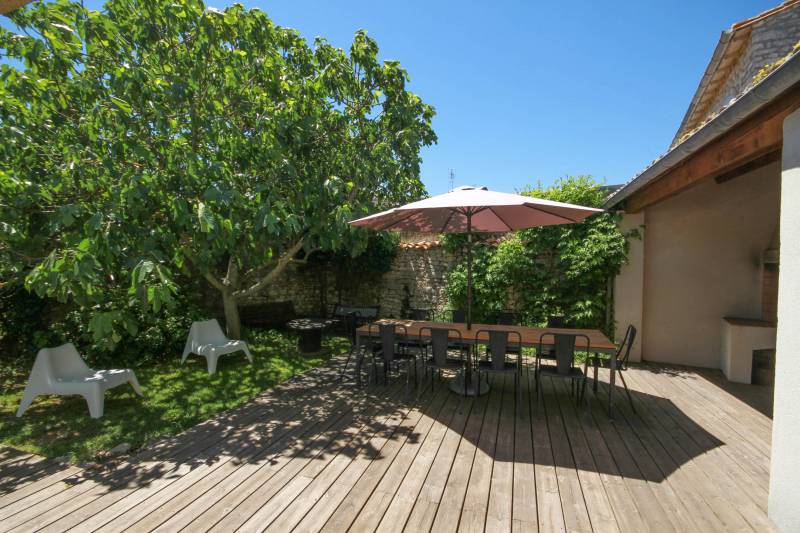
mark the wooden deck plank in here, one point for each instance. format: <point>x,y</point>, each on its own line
<point>476,498</point>
<point>317,454</point>
<point>679,475</point>
<point>401,505</point>
<point>730,502</point>
<point>751,445</point>
<point>321,513</point>
<point>365,445</point>
<point>451,468</point>
<point>573,505</point>
<point>249,497</point>
<point>395,451</point>
<point>451,501</point>
<point>598,504</point>
<point>523,505</point>
<point>499,513</point>
<point>684,477</point>
<point>131,484</point>
<point>708,433</point>
<point>550,513</point>
<point>176,513</point>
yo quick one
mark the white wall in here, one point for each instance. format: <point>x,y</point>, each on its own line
<point>784,493</point>
<point>703,262</point>
<point>628,285</point>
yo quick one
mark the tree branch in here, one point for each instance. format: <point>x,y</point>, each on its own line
<point>280,266</point>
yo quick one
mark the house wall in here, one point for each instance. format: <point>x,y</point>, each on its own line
<point>784,483</point>
<point>629,285</point>
<point>702,261</point>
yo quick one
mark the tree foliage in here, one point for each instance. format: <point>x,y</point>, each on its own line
<point>158,138</point>
<point>553,270</point>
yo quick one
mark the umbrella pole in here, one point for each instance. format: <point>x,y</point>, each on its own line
<point>469,270</point>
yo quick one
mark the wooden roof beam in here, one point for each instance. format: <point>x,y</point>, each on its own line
<point>757,136</point>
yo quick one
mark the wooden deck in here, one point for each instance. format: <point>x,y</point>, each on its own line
<point>316,454</point>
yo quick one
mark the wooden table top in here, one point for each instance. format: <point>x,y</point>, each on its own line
<point>530,336</point>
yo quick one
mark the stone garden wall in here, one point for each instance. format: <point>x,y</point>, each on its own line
<point>418,274</point>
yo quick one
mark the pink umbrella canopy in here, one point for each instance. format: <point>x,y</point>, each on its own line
<point>475,209</point>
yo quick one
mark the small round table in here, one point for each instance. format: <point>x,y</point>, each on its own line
<point>309,333</point>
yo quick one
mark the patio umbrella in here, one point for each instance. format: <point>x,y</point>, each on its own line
<point>475,210</point>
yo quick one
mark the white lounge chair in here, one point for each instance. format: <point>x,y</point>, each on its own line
<point>207,339</point>
<point>62,371</point>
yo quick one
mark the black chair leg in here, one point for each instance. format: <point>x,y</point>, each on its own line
<point>347,361</point>
<point>583,387</point>
<point>596,365</point>
<point>627,391</point>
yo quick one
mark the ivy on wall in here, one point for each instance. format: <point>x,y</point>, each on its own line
<point>550,271</point>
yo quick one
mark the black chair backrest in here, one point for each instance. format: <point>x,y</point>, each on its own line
<point>564,348</point>
<point>459,316</point>
<point>420,314</point>
<point>627,342</point>
<point>556,322</point>
<point>506,318</point>
<point>365,312</point>
<point>387,333</point>
<point>350,323</point>
<point>498,343</point>
<point>440,341</point>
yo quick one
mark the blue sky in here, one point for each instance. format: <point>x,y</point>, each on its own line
<point>526,92</point>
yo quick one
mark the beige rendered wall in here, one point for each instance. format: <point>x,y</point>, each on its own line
<point>703,261</point>
<point>628,285</point>
<point>784,482</point>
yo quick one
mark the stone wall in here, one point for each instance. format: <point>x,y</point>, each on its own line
<point>419,272</point>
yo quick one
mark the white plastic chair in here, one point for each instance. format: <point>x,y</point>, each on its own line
<point>207,339</point>
<point>62,371</point>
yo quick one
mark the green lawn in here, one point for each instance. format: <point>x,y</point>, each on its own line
<point>175,397</point>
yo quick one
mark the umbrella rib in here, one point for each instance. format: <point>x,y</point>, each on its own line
<point>501,219</point>
<point>449,218</point>
<point>389,225</point>
<point>549,213</point>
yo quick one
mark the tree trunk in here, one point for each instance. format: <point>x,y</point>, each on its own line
<point>233,323</point>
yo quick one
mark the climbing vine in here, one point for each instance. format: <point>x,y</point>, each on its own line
<point>555,270</point>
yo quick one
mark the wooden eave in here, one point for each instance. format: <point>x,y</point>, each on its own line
<point>755,139</point>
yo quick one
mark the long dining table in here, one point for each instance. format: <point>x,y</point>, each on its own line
<point>477,334</point>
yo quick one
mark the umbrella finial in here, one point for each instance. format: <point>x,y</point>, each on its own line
<point>471,188</point>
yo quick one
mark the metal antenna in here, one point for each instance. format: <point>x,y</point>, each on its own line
<point>452,179</point>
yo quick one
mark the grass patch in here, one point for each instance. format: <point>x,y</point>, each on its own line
<point>176,397</point>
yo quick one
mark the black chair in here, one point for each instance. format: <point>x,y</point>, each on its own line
<point>349,326</point>
<point>498,348</point>
<point>388,351</point>
<point>440,358</point>
<point>618,363</point>
<point>458,316</point>
<point>420,343</point>
<point>548,352</point>
<point>564,351</point>
<point>506,318</point>
<point>420,314</point>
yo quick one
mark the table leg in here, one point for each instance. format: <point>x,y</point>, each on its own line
<point>310,341</point>
<point>611,381</point>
